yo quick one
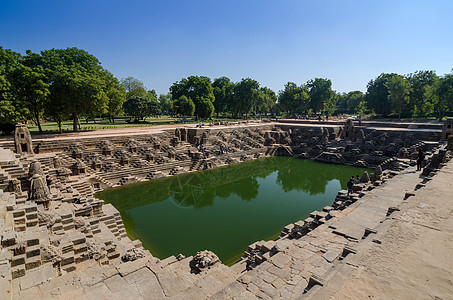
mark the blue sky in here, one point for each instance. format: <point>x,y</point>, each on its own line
<point>273,42</point>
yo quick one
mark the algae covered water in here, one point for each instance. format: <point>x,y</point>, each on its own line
<point>226,209</point>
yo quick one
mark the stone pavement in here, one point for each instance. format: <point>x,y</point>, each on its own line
<point>370,210</point>
<point>409,256</point>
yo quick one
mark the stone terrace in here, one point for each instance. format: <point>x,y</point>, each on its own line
<point>63,243</point>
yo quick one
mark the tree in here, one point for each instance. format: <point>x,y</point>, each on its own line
<point>419,103</point>
<point>141,107</point>
<point>116,94</point>
<point>245,95</point>
<point>184,106</point>
<point>32,91</point>
<point>205,108</point>
<point>131,84</point>
<point>77,78</point>
<point>398,92</point>
<point>376,95</point>
<point>10,111</point>
<point>199,89</point>
<point>294,98</point>
<point>166,103</point>
<point>321,94</point>
<point>139,91</point>
<point>223,93</point>
<point>350,102</point>
<point>441,94</point>
<point>266,100</point>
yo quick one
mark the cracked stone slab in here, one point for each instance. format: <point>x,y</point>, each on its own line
<point>281,260</point>
<point>150,289</point>
<point>170,283</point>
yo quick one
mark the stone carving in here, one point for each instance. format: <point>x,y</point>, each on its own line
<point>78,167</point>
<point>50,253</point>
<point>378,173</point>
<point>365,177</point>
<point>22,140</point>
<point>35,168</point>
<point>203,260</point>
<point>403,153</point>
<point>15,186</point>
<point>57,163</point>
<point>39,191</point>
<point>361,136</point>
<point>133,254</point>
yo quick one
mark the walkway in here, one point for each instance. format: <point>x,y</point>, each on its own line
<point>410,256</point>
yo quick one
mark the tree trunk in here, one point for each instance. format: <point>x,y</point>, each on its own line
<point>38,123</point>
<point>113,119</point>
<point>75,121</point>
<point>59,126</point>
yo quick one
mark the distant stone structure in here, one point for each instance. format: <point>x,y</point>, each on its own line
<point>447,129</point>
<point>22,140</point>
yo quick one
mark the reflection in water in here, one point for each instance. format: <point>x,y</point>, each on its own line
<point>261,197</point>
<point>199,189</point>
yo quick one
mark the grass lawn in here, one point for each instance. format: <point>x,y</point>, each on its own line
<point>99,124</point>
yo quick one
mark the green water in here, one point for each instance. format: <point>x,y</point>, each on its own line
<point>226,209</point>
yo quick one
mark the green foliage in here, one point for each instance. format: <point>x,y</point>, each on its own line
<point>10,109</point>
<point>246,94</point>
<point>197,88</point>
<point>266,100</point>
<point>398,92</point>
<point>223,93</point>
<point>130,84</point>
<point>184,106</point>
<point>141,107</point>
<point>377,95</point>
<point>166,103</point>
<point>77,78</point>
<point>441,95</point>
<point>351,103</point>
<point>293,98</point>
<point>31,91</point>
<point>205,108</point>
<point>116,94</point>
<point>419,104</point>
<point>321,95</point>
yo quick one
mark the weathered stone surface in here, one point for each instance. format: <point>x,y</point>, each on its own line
<point>121,288</point>
<point>281,260</point>
<point>171,284</point>
<point>230,291</point>
<point>331,255</point>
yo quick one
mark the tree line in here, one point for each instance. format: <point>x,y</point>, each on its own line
<point>69,84</point>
